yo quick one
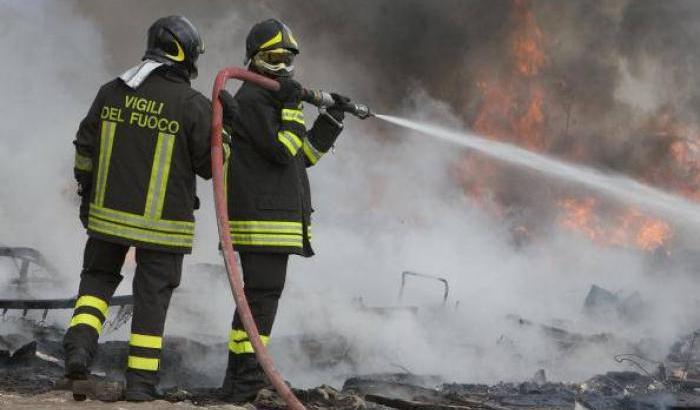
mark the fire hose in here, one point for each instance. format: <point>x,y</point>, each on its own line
<point>320,99</point>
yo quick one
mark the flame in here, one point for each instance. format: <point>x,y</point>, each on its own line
<point>631,228</point>
<point>579,216</point>
<point>512,109</point>
<point>513,106</point>
<point>503,117</point>
<point>530,123</point>
<point>682,173</point>
<point>528,42</point>
<point>653,234</point>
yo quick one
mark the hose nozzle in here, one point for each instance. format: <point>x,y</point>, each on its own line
<point>323,99</point>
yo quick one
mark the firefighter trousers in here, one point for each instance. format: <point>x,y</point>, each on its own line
<point>264,276</point>
<point>157,275</point>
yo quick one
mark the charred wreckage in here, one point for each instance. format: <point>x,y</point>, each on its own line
<point>31,361</point>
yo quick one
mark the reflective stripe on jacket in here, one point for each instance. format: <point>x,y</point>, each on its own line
<point>140,151</point>
<point>269,198</point>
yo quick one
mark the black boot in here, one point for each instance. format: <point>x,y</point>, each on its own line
<point>227,386</point>
<point>244,378</point>
<point>80,345</point>
<point>142,393</point>
<point>141,386</point>
<point>77,369</point>
<point>77,364</point>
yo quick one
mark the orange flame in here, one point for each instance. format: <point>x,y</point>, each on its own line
<point>513,107</point>
<point>528,42</point>
<point>653,234</point>
<point>631,228</point>
<point>579,216</point>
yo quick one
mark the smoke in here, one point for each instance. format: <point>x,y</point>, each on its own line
<point>50,73</point>
<point>647,29</point>
<point>384,204</point>
<point>413,218</point>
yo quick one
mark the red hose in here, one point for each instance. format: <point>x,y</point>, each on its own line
<point>234,275</point>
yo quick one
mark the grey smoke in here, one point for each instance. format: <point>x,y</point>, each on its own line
<point>384,204</point>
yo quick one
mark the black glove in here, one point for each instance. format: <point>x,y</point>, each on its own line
<point>84,211</point>
<point>336,110</point>
<point>290,91</point>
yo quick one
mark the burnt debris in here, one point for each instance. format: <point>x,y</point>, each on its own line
<point>34,366</point>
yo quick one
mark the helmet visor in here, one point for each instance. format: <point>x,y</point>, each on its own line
<point>277,56</point>
<point>277,62</point>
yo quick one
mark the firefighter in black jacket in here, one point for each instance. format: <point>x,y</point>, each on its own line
<point>138,149</point>
<point>269,201</point>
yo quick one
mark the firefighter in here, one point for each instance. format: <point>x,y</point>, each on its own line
<point>269,200</point>
<point>138,150</point>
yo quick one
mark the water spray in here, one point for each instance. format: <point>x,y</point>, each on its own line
<point>617,186</point>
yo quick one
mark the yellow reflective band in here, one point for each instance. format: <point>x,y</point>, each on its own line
<point>93,302</point>
<point>138,221</point>
<point>151,342</point>
<point>274,40</point>
<point>255,239</point>
<point>227,152</point>
<point>312,154</point>
<point>237,335</point>
<point>87,319</point>
<point>293,115</point>
<point>82,162</point>
<point>290,140</point>
<point>180,53</point>
<point>252,223</point>
<point>294,138</point>
<point>239,342</point>
<point>160,172</point>
<point>241,347</point>
<point>289,145</point>
<point>266,227</point>
<point>142,235</point>
<point>143,363</point>
<point>292,39</point>
<point>106,143</point>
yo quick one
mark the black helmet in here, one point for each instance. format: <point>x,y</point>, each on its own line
<point>271,47</point>
<point>175,41</point>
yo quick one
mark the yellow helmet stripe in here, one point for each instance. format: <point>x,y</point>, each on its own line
<point>180,53</point>
<point>274,40</point>
<point>292,39</point>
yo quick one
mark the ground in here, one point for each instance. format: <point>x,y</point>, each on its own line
<point>63,400</point>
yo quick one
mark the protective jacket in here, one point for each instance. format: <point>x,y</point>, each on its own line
<point>137,153</point>
<point>269,198</point>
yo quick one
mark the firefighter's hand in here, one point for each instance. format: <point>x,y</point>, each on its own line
<point>289,92</point>
<point>84,191</point>
<point>337,110</point>
<point>84,210</point>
